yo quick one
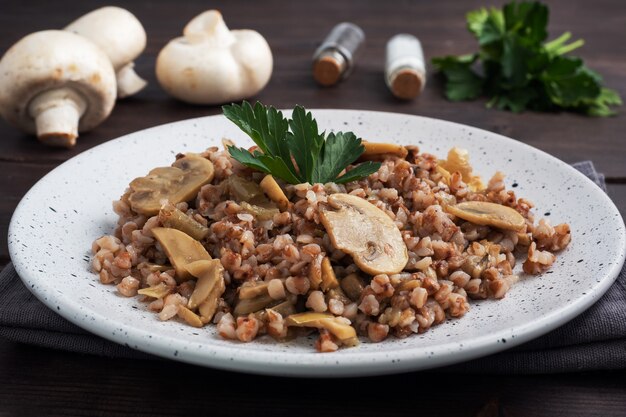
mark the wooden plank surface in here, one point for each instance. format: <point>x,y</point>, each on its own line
<point>35,381</point>
<point>294,29</point>
<point>77,385</point>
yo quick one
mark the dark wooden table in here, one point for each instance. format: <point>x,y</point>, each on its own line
<point>35,381</point>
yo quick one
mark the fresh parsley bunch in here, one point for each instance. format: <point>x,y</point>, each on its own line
<point>519,71</point>
<point>293,149</point>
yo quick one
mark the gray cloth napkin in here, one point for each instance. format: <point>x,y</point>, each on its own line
<point>595,340</point>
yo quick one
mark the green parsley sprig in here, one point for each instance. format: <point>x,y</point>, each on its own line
<point>518,71</point>
<point>293,149</point>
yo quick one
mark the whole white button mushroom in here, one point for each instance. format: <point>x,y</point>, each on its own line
<point>56,83</point>
<point>122,37</point>
<point>211,64</point>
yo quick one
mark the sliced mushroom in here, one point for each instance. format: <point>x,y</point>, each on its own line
<point>329,280</point>
<point>338,294</point>
<point>379,151</point>
<point>488,214</point>
<point>254,290</point>
<point>156,291</point>
<point>335,325</point>
<point>252,305</point>
<point>250,196</point>
<point>153,267</point>
<point>315,273</point>
<point>181,249</point>
<point>274,192</point>
<point>189,316</point>
<point>353,285</point>
<point>209,274</point>
<point>458,161</point>
<point>170,216</point>
<point>260,212</point>
<point>524,239</point>
<point>241,189</point>
<point>208,308</point>
<point>285,308</point>
<point>178,183</point>
<point>365,232</point>
<point>409,285</point>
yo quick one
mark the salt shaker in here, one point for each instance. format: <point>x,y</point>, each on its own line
<point>405,72</point>
<point>334,59</point>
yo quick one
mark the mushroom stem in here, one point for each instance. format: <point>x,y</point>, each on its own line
<point>57,113</point>
<point>128,82</point>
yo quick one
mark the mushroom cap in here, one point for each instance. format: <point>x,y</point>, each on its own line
<point>50,59</point>
<point>485,213</point>
<point>365,232</point>
<point>177,183</point>
<point>212,65</point>
<point>115,30</point>
<point>181,249</point>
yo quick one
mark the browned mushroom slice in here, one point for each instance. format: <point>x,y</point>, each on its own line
<point>181,249</point>
<point>189,316</point>
<point>365,232</point>
<point>353,285</point>
<point>458,161</point>
<point>285,308</point>
<point>209,274</point>
<point>253,290</point>
<point>156,291</point>
<point>153,267</point>
<point>274,192</point>
<point>178,183</point>
<point>208,308</point>
<point>409,285</point>
<point>315,273</point>
<point>378,151</point>
<point>241,189</point>
<point>170,216</point>
<point>260,212</point>
<point>488,214</point>
<point>338,294</point>
<point>329,280</point>
<point>335,325</point>
<point>524,239</point>
<point>252,305</point>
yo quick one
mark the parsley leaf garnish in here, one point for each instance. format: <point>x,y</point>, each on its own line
<point>293,149</point>
<point>518,70</point>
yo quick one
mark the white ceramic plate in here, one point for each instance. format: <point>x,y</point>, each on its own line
<point>52,229</point>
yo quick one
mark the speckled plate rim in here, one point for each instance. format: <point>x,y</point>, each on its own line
<point>353,363</point>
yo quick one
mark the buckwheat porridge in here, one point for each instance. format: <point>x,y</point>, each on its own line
<point>213,241</point>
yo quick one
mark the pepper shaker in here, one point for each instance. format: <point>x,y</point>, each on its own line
<point>405,71</point>
<point>334,59</point>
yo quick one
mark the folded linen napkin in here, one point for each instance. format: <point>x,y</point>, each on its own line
<point>595,340</point>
